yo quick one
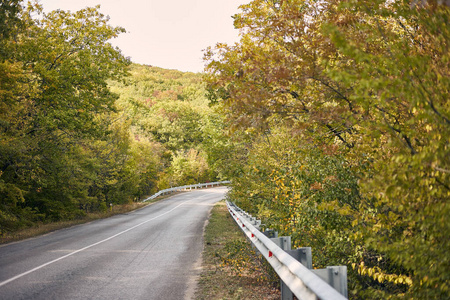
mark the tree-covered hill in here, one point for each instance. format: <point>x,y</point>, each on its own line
<point>169,109</point>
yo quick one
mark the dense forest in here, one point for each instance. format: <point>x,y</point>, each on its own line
<point>81,127</point>
<point>342,116</point>
<point>331,118</point>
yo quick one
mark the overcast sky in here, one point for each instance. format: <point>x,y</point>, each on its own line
<point>166,33</point>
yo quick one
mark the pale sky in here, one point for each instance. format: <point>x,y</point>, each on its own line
<point>170,34</point>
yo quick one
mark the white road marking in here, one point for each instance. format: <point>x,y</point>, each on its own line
<point>90,246</point>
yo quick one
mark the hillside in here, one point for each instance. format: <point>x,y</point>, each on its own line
<point>167,110</point>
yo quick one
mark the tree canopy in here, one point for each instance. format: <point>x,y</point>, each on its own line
<point>360,89</point>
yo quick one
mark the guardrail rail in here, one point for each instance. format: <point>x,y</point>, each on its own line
<point>185,188</point>
<point>294,267</point>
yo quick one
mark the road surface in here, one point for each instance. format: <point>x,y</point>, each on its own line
<point>151,253</point>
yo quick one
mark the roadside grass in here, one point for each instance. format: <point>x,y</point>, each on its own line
<point>43,228</point>
<point>231,268</point>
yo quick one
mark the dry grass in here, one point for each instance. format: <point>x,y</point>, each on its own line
<point>231,268</point>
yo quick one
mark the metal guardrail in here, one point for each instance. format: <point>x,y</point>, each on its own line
<point>303,282</point>
<point>185,188</point>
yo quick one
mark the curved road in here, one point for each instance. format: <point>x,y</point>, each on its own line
<point>151,253</point>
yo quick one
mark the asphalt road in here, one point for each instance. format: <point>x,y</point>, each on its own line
<point>151,253</point>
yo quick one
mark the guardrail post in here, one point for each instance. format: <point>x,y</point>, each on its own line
<point>270,233</point>
<point>303,255</point>
<point>255,222</point>
<point>336,276</point>
<point>284,242</point>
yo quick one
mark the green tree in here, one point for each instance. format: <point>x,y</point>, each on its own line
<point>169,108</point>
<point>56,73</point>
<point>371,79</point>
<point>407,95</point>
<point>189,167</point>
<point>11,22</point>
